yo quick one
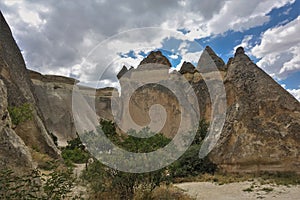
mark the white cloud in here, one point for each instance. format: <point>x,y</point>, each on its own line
<point>246,44</point>
<point>55,35</point>
<point>280,49</point>
<point>242,15</point>
<point>295,93</point>
<point>174,56</point>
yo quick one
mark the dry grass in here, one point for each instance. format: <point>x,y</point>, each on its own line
<point>216,178</point>
<point>103,196</point>
<point>159,193</point>
<point>43,161</point>
<point>284,178</point>
<point>169,193</point>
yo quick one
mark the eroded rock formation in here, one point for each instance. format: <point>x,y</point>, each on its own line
<point>262,128</point>
<point>14,153</point>
<point>14,75</point>
<point>156,57</point>
<point>54,94</point>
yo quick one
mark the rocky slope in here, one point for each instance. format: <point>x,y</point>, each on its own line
<point>15,79</point>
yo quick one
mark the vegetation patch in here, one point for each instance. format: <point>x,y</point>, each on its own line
<point>35,185</point>
<point>75,152</point>
<point>20,114</point>
<point>113,184</point>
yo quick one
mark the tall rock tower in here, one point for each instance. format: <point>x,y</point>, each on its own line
<point>262,128</point>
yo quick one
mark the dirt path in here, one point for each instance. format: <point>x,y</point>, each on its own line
<point>79,190</point>
<point>241,190</point>
<point>78,169</point>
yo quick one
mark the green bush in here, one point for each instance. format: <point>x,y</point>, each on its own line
<point>143,145</point>
<point>189,164</point>
<point>124,185</point>
<point>131,143</point>
<point>20,114</point>
<point>120,185</point>
<point>75,152</point>
<point>75,155</point>
<point>201,132</point>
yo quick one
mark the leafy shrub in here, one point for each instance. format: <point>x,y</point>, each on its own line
<point>189,164</point>
<point>123,185</point>
<point>20,114</point>
<point>115,184</point>
<point>75,155</point>
<point>105,180</point>
<point>75,152</point>
<point>144,145</point>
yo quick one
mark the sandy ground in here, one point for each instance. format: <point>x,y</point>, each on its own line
<point>234,191</point>
<point>78,169</point>
<point>79,190</point>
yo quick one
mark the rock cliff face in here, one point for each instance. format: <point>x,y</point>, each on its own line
<point>262,128</point>
<point>14,75</point>
<point>54,99</point>
<point>153,85</point>
<point>13,151</point>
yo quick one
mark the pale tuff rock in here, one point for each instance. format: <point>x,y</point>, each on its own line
<point>19,91</point>
<point>54,95</point>
<point>13,151</point>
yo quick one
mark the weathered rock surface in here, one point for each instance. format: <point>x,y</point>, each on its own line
<point>187,67</point>
<point>19,91</point>
<point>149,81</point>
<point>156,57</point>
<point>204,63</point>
<point>144,97</point>
<point>123,71</point>
<point>14,154</point>
<point>54,95</point>
<point>262,128</point>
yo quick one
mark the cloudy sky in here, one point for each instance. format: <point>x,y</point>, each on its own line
<point>91,40</point>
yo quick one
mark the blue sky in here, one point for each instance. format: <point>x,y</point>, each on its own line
<point>56,37</point>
